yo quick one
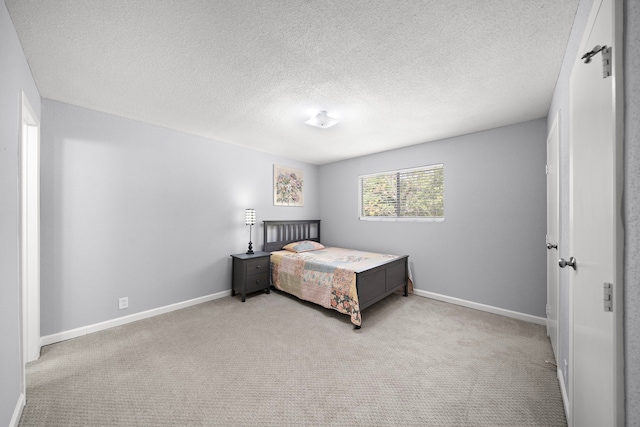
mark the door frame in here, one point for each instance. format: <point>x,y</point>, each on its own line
<point>29,233</point>
<point>618,298</point>
<point>554,132</point>
<point>618,294</point>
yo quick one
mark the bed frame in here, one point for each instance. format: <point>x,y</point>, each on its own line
<point>372,285</point>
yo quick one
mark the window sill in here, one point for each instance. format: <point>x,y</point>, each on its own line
<point>395,219</point>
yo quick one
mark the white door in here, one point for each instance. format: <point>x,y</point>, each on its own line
<point>595,368</point>
<point>553,216</point>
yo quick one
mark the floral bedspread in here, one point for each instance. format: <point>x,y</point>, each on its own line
<point>326,277</point>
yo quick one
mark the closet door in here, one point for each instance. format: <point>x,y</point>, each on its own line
<point>595,368</point>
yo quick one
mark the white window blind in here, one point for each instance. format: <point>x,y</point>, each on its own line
<point>408,194</point>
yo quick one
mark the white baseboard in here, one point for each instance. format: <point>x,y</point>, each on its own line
<point>84,330</point>
<point>565,396</point>
<point>477,306</point>
<point>17,412</point>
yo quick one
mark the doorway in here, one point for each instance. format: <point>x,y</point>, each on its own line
<point>29,199</point>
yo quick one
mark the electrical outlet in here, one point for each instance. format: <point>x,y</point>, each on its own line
<point>123,303</point>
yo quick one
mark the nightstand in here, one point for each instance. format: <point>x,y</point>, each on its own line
<point>250,273</point>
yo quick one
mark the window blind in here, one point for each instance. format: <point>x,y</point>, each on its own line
<point>403,194</point>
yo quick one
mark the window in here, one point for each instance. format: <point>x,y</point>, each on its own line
<point>403,195</point>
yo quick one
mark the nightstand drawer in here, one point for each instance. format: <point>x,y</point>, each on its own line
<point>257,266</point>
<point>255,283</point>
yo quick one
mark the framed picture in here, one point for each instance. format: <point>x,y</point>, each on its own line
<point>287,186</point>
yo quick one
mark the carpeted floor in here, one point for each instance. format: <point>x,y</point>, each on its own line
<point>278,361</point>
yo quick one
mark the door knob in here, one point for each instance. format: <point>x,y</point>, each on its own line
<point>552,246</point>
<point>571,263</point>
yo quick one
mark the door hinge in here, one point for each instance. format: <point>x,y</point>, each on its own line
<point>608,296</point>
<point>548,309</point>
<point>606,58</point>
<point>606,62</point>
<point>546,169</point>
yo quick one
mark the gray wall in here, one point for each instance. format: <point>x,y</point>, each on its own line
<point>15,77</point>
<point>490,249</point>
<point>130,209</point>
<point>632,212</point>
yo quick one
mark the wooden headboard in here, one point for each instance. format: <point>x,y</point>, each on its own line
<point>280,233</point>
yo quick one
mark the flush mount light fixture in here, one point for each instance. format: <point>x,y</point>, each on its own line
<point>322,120</point>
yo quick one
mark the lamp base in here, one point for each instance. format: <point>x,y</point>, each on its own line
<point>250,251</point>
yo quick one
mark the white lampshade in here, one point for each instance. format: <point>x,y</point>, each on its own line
<point>250,216</point>
<point>322,120</point>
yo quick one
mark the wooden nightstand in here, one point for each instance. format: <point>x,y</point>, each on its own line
<point>250,273</point>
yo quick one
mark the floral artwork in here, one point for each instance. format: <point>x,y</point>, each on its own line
<point>287,186</point>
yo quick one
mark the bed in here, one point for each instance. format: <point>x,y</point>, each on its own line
<point>341,279</point>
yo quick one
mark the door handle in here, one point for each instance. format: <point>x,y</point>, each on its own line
<point>571,263</point>
<point>552,246</point>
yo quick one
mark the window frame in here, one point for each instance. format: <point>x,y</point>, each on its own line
<point>400,218</point>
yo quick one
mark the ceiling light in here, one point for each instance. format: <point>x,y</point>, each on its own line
<point>322,120</point>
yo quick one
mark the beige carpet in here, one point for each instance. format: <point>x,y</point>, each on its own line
<point>278,361</point>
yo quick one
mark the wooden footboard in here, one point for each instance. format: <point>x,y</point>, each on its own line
<point>375,284</point>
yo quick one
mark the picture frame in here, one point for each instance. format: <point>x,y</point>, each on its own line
<point>288,184</point>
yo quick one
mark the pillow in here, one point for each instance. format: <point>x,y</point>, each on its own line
<point>303,246</point>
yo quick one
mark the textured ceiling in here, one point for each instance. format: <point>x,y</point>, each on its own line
<point>250,72</point>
